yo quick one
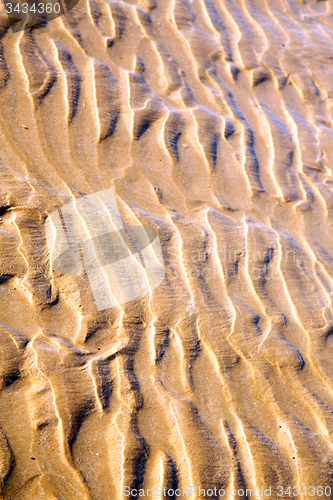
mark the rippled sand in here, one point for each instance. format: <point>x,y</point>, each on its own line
<point>212,122</point>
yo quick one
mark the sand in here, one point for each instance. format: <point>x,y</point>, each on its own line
<point>211,121</point>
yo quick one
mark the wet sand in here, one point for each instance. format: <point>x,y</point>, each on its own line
<point>211,120</point>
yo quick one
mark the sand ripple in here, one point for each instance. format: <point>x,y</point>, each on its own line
<point>212,122</point>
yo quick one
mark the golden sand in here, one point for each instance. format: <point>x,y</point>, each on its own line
<point>211,120</point>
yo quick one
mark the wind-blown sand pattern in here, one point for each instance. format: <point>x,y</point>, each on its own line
<point>212,122</point>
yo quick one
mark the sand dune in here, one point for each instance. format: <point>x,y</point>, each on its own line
<point>211,120</point>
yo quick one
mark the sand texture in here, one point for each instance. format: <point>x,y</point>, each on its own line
<point>211,121</point>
